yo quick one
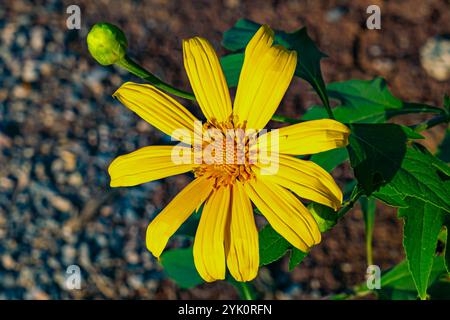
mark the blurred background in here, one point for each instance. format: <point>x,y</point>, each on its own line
<point>60,129</point>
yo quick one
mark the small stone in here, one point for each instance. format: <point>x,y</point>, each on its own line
<point>29,73</point>
<point>70,160</point>
<point>383,65</point>
<point>346,267</point>
<point>6,184</point>
<point>435,58</point>
<point>37,39</point>
<point>8,262</point>
<point>68,254</point>
<point>335,14</point>
<point>375,51</point>
<point>21,91</point>
<point>46,69</point>
<point>37,294</point>
<point>75,179</point>
<point>60,203</point>
<point>132,257</point>
<point>315,284</point>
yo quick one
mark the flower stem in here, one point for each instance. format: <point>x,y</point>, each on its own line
<point>325,100</point>
<point>246,292</point>
<point>443,118</point>
<point>139,71</point>
<point>130,65</point>
<point>348,205</point>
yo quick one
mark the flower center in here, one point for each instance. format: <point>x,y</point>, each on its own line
<point>224,153</point>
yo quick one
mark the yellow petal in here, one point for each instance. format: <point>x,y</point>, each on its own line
<point>308,137</point>
<point>242,239</point>
<point>307,179</point>
<point>285,213</point>
<point>158,109</point>
<point>207,79</point>
<point>175,213</point>
<point>266,74</point>
<point>209,250</point>
<point>145,165</point>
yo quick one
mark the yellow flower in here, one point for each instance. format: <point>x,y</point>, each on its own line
<point>227,234</point>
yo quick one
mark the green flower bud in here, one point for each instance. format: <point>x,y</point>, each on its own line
<point>107,43</point>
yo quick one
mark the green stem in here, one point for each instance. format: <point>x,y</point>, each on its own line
<point>348,205</point>
<point>368,207</point>
<point>128,64</point>
<point>133,67</point>
<point>369,248</point>
<point>325,100</point>
<point>246,292</point>
<point>444,118</point>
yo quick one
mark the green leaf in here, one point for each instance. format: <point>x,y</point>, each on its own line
<point>308,64</point>
<point>447,103</point>
<point>330,159</point>
<point>423,222</point>
<point>447,244</point>
<point>297,257</point>
<point>412,171</point>
<point>375,162</point>
<point>239,35</point>
<point>390,196</point>
<point>179,266</point>
<point>424,177</point>
<point>189,227</point>
<point>325,217</point>
<point>366,101</point>
<point>397,283</point>
<point>411,134</point>
<point>232,65</point>
<point>272,246</point>
<point>443,152</point>
<point>440,290</point>
<point>370,101</point>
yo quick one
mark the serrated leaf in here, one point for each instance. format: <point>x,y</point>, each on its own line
<point>400,277</point>
<point>179,266</point>
<point>308,64</point>
<point>374,161</point>
<point>332,158</point>
<point>409,171</point>
<point>272,246</point>
<point>366,101</point>
<point>390,196</point>
<point>423,222</point>
<point>370,101</point>
<point>422,176</point>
